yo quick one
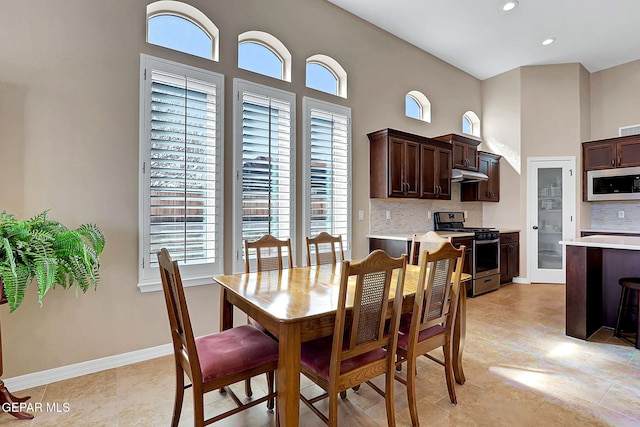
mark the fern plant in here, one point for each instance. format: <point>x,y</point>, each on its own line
<point>47,252</point>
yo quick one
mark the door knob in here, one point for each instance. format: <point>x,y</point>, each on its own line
<point>535,227</point>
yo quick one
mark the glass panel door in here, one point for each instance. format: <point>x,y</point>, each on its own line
<point>551,213</point>
<point>550,218</point>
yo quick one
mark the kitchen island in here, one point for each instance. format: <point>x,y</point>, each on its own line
<point>594,266</point>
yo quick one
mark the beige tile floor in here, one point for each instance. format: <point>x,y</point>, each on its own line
<point>521,370</point>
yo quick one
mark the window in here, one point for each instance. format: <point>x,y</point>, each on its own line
<point>327,75</point>
<point>179,26</point>
<point>327,170</point>
<point>263,53</point>
<point>181,170</point>
<point>417,106</point>
<point>264,142</point>
<point>471,123</point>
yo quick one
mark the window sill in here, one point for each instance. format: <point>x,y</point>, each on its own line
<point>187,283</point>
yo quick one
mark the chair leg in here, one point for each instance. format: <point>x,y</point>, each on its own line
<point>270,387</point>
<point>448,372</point>
<point>177,403</point>
<point>388,398</point>
<point>333,410</point>
<point>411,392</point>
<point>623,295</point>
<point>198,407</point>
<point>247,387</point>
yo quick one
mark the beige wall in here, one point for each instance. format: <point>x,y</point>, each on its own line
<point>69,89</point>
<point>615,99</point>
<point>501,134</point>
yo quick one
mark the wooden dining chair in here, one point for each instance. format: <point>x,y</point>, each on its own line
<point>327,249</point>
<point>361,347</point>
<point>269,256</point>
<point>429,241</point>
<point>268,250</point>
<point>431,322</point>
<point>213,361</point>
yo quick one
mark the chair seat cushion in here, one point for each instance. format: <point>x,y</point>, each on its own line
<point>405,325</point>
<point>234,350</point>
<point>316,355</point>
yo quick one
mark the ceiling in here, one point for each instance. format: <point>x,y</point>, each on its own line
<point>478,37</point>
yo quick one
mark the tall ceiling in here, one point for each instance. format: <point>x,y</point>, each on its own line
<point>478,37</point>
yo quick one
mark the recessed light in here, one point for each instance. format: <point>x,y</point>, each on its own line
<point>507,6</point>
<point>548,41</point>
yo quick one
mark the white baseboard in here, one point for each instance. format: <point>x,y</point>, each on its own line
<point>36,379</point>
<point>522,280</point>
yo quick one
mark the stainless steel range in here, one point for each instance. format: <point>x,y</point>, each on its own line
<point>485,263</point>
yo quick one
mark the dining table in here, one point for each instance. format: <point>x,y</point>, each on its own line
<point>298,305</point>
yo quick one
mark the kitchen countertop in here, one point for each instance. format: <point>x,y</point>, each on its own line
<point>605,242</point>
<point>604,231</point>
<point>446,234</point>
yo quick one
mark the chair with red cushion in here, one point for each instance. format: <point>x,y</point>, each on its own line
<point>361,347</point>
<point>214,361</point>
<point>431,322</point>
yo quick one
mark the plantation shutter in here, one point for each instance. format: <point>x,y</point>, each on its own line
<point>329,173</point>
<point>184,172</point>
<point>266,166</point>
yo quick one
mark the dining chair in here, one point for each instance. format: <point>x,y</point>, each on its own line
<point>430,323</point>
<point>327,249</point>
<point>213,361</point>
<point>268,250</point>
<point>268,254</point>
<point>362,347</point>
<point>429,241</point>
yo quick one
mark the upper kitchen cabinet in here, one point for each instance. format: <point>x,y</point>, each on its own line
<point>435,170</point>
<point>464,150</point>
<point>484,191</point>
<point>407,165</point>
<point>394,166</point>
<point>610,153</point>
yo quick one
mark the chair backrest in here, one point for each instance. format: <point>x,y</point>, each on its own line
<point>184,345</point>
<point>429,241</point>
<point>438,289</point>
<point>326,248</point>
<point>268,253</point>
<point>366,328</point>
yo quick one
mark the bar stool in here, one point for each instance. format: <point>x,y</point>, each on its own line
<point>628,284</point>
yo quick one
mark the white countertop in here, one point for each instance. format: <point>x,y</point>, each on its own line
<point>607,231</point>
<point>606,242</point>
<point>445,234</point>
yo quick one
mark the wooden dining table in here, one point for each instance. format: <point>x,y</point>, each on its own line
<point>298,305</point>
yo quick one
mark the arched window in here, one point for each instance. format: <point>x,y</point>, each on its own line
<point>471,123</point>
<point>262,53</point>
<point>179,26</point>
<point>417,105</point>
<point>327,75</point>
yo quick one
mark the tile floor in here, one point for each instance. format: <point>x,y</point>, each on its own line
<point>521,370</point>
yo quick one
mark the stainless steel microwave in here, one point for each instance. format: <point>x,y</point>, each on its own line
<point>613,184</point>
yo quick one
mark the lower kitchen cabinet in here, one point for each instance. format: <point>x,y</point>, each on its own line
<point>468,256</point>
<point>509,256</point>
<point>392,247</point>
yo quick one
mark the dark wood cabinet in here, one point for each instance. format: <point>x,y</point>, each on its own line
<point>509,256</point>
<point>435,172</point>
<point>408,165</point>
<point>392,247</point>
<point>484,191</point>
<point>610,153</point>
<point>464,151</point>
<point>468,256</point>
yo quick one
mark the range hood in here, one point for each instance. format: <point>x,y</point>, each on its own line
<point>460,175</point>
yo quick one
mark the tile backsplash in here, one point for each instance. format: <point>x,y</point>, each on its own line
<point>605,215</point>
<point>409,216</point>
